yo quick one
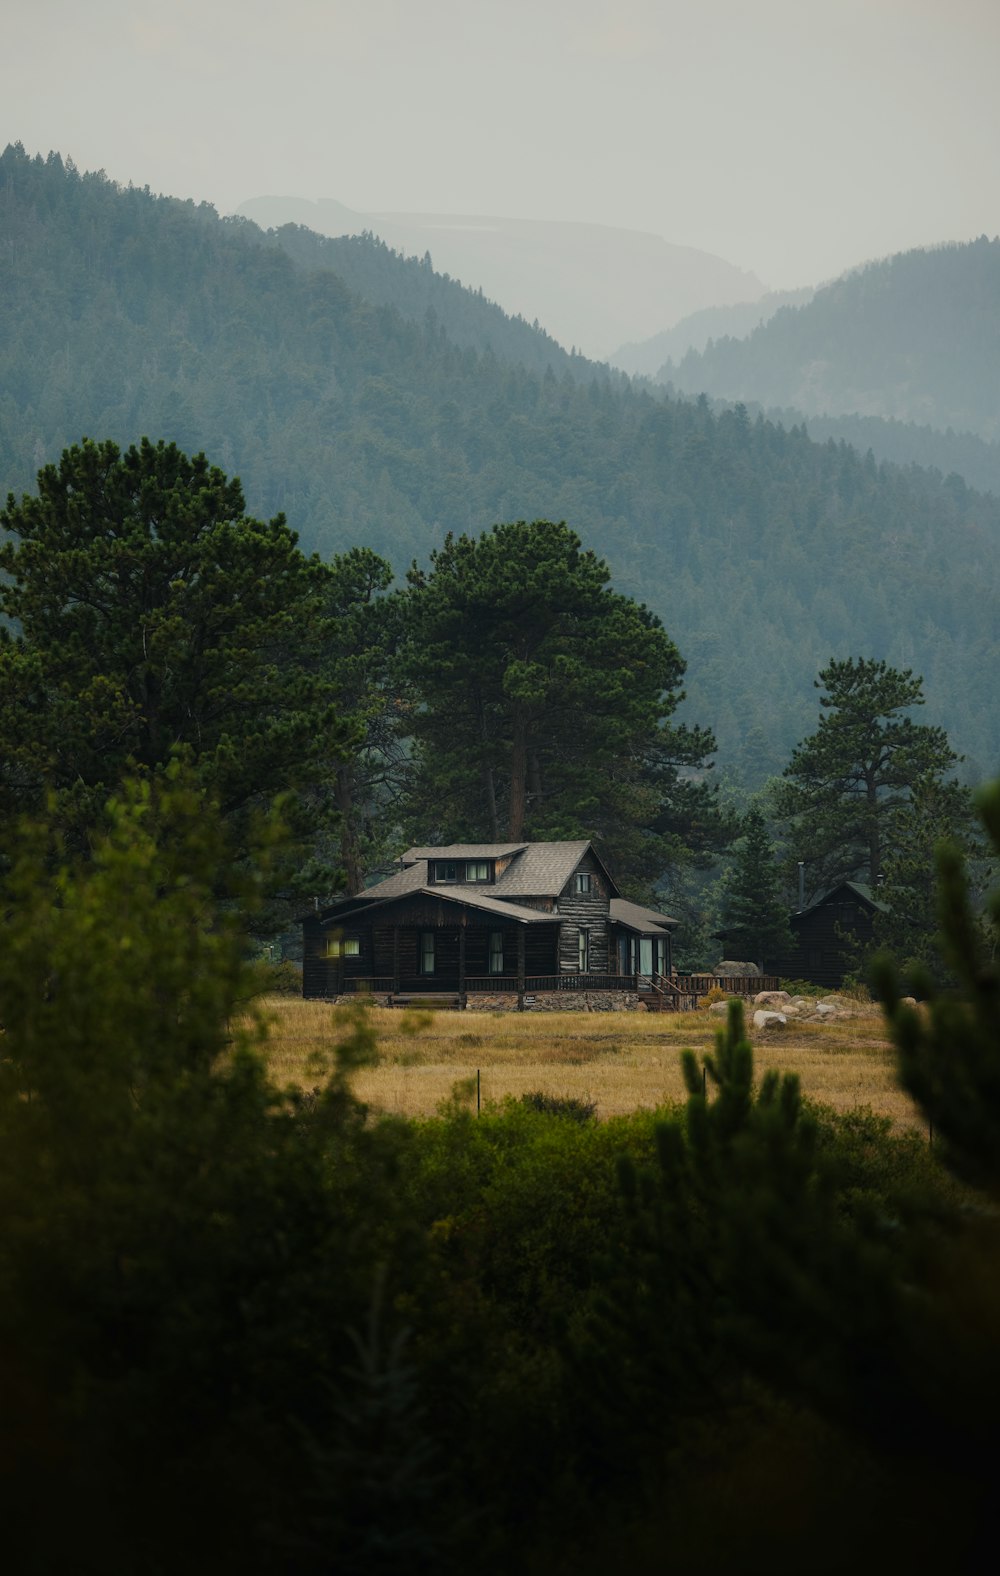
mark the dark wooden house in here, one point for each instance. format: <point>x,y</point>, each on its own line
<point>826,934</point>
<point>489,923</point>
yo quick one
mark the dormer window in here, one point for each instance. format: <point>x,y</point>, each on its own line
<point>461,870</point>
<point>448,870</point>
<point>583,880</point>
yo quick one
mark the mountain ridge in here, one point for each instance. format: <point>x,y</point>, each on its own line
<point>591,286</point>
<point>123,314</point>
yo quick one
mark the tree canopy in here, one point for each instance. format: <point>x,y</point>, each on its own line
<point>547,701</point>
<point>846,783</point>
<point>150,613</point>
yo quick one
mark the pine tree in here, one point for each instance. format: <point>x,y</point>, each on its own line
<point>754,915</point>
<point>547,699</point>
<point>150,613</point>
<point>846,783</point>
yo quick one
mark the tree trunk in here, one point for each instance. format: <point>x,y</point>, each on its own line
<point>874,848</point>
<point>343,798</point>
<point>518,775</point>
<point>489,782</point>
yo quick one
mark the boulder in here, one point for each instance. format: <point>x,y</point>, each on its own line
<point>772,998</point>
<point>769,1020</point>
<point>730,970</point>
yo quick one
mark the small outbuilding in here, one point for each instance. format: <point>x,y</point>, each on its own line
<point>826,933</point>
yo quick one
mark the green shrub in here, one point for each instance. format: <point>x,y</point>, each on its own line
<point>560,1105</point>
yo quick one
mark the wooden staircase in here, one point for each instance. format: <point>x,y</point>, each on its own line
<point>659,993</point>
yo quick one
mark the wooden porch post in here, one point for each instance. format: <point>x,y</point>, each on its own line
<point>520,968</point>
<point>461,962</point>
<point>395,960</point>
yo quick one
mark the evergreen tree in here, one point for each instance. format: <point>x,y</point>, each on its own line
<point>754,915</point>
<point>151,613</point>
<point>357,662</point>
<point>909,928</point>
<point>950,1053</point>
<point>846,784</point>
<point>546,701</point>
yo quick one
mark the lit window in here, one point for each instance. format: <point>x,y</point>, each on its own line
<point>343,947</point>
<point>496,951</point>
<point>583,881</point>
<point>427,952</point>
<point>584,947</point>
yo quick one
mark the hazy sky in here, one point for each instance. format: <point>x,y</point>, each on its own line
<point>793,137</point>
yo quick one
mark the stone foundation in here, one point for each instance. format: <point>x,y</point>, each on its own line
<point>555,1001</point>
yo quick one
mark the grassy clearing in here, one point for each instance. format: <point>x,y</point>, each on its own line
<point>623,1061</point>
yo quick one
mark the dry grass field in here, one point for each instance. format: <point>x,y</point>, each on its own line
<point>622,1061</point>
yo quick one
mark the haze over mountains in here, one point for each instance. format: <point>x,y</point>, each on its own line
<point>377,403</point>
<point>590,285</point>
<point>912,338</point>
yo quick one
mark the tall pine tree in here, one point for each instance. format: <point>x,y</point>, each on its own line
<point>846,783</point>
<point>547,702</point>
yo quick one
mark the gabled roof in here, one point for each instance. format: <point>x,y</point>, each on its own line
<point>634,917</point>
<point>543,869</point>
<point>856,889</point>
<point>462,851</point>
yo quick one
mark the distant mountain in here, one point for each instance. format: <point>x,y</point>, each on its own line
<point>123,314</point>
<point>698,328</point>
<point>915,338</point>
<point>410,285</point>
<point>589,285</point>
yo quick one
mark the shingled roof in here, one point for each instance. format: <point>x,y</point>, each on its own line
<point>634,917</point>
<point>535,869</point>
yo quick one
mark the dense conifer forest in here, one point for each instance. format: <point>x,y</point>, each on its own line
<point>372,422</point>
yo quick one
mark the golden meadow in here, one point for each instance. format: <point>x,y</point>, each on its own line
<point>621,1061</point>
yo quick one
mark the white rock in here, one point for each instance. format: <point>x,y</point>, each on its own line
<point>769,1020</point>
<point>772,998</point>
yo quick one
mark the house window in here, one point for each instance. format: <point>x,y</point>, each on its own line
<point>477,870</point>
<point>583,943</point>
<point>496,951</point>
<point>343,947</point>
<point>583,881</point>
<point>446,870</point>
<point>427,952</point>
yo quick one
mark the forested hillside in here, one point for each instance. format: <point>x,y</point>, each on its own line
<point>386,277</point>
<point>915,337</point>
<point>123,314</point>
<point>694,331</point>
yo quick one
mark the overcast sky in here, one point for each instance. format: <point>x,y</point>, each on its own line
<point>792,137</point>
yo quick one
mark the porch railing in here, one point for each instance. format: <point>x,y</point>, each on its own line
<point>670,986</point>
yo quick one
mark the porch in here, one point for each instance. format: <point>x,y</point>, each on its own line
<point>538,992</point>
